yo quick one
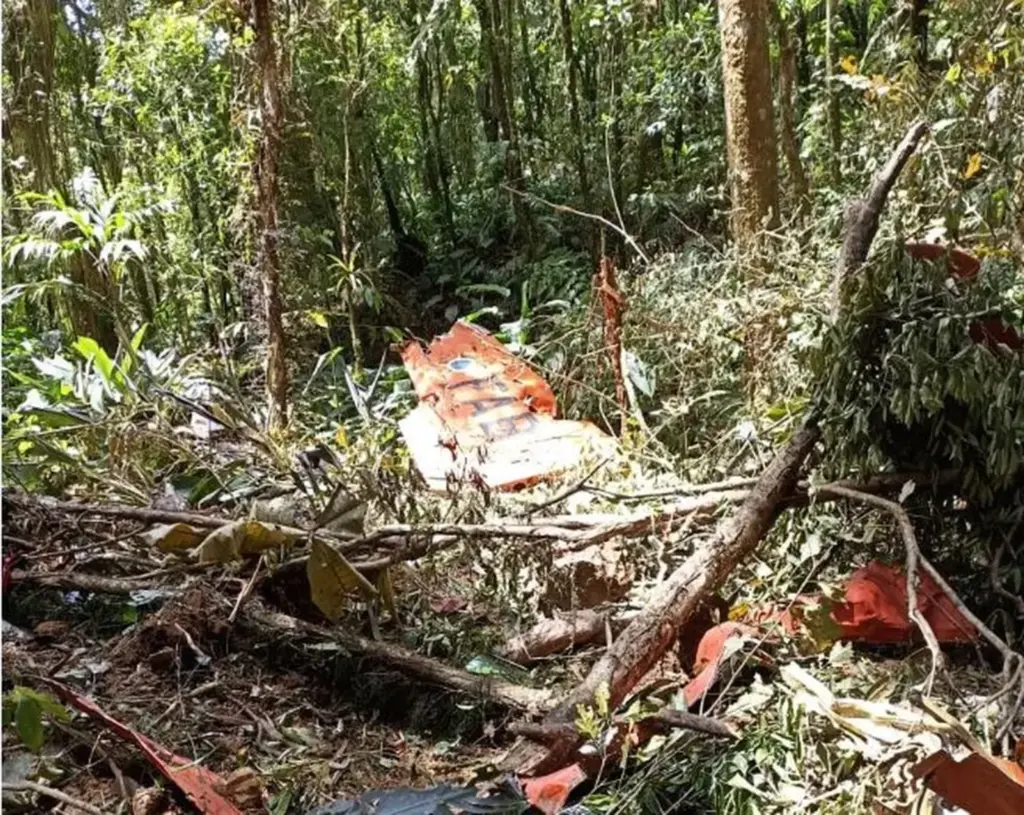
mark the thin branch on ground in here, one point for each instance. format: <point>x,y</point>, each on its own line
<point>503,692</point>
<point>53,793</point>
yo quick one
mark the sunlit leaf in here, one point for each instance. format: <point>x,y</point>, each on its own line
<point>849,64</point>
<point>244,537</point>
<point>177,537</point>
<point>973,165</point>
<point>332,579</point>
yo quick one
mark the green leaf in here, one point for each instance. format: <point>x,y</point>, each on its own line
<point>28,721</point>
<point>139,336</point>
<point>91,351</point>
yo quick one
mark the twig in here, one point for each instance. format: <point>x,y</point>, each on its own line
<point>913,558</point>
<point>246,591</point>
<point>1011,659</point>
<point>563,208</point>
<point>51,792</point>
<point>579,486</point>
<point>109,541</point>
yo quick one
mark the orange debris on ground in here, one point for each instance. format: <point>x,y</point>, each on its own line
<point>873,610</point>
<point>486,415</point>
<point>980,784</point>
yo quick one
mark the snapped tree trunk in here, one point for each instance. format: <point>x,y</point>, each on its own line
<point>750,134</point>
<point>266,167</point>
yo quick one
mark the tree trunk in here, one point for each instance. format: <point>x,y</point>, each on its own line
<point>835,133</point>
<point>919,17</point>
<point>750,133</point>
<point>787,112</point>
<point>30,47</point>
<point>572,69</point>
<point>492,32</point>
<point>266,171</point>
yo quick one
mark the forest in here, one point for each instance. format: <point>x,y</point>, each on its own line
<point>505,406</point>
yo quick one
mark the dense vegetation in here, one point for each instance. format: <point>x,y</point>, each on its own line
<point>236,207</point>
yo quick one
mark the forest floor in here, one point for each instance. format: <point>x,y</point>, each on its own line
<point>168,647</point>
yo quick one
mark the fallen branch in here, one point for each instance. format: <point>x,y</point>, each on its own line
<point>77,581</point>
<point>861,219</point>
<point>549,636</point>
<point>653,631</point>
<point>490,688</point>
<point>51,792</point>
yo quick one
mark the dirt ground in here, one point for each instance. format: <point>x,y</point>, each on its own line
<point>312,724</point>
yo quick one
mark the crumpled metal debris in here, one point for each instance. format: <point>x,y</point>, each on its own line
<point>979,784</point>
<point>486,416</point>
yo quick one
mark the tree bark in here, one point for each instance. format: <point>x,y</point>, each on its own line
<point>833,123</point>
<point>579,151</point>
<point>750,133</point>
<point>787,111</point>
<point>267,188</point>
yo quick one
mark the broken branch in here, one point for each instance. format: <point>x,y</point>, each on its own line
<point>501,691</point>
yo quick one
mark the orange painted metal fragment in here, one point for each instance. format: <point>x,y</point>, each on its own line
<point>980,784</point>
<point>485,415</point>
<point>550,792</point>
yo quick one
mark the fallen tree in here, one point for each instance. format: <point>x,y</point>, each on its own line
<point>652,632</point>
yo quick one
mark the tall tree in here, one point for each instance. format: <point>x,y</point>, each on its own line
<point>835,133</point>
<point>572,69</point>
<point>267,189</point>
<point>750,134</point>
<point>787,108</point>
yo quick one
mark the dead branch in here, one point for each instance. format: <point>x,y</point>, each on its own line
<point>861,219</point>
<point>52,793</point>
<point>549,636</point>
<point>691,721</point>
<point>490,688</point>
<point>913,558</point>
<point>75,581</point>
<point>653,631</point>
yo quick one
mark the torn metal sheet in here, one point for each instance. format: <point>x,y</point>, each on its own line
<point>980,784</point>
<point>486,416</point>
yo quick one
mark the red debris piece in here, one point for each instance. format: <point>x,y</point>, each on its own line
<point>200,785</point>
<point>548,793</point>
<point>964,266</point>
<point>874,610</point>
